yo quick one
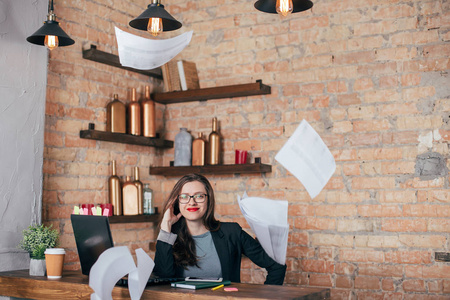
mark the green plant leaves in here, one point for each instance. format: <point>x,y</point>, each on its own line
<point>37,238</point>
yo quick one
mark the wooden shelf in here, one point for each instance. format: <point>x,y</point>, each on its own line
<point>113,60</point>
<point>216,170</point>
<point>220,92</point>
<point>154,218</point>
<point>125,138</point>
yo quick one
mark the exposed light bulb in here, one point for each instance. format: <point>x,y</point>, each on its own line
<point>155,26</point>
<point>51,41</point>
<point>284,7</point>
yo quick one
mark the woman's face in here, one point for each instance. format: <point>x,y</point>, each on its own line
<point>193,211</point>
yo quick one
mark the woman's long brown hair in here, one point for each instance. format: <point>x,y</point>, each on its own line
<point>184,248</point>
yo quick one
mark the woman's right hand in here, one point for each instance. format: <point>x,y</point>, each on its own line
<point>169,219</point>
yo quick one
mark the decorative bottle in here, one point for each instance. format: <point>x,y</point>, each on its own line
<point>148,115</point>
<point>134,115</point>
<point>148,200</point>
<point>140,191</point>
<point>214,144</point>
<point>198,151</point>
<point>116,116</point>
<point>130,197</point>
<point>183,148</point>
<point>115,192</point>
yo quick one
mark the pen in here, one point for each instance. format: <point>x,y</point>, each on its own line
<point>217,287</point>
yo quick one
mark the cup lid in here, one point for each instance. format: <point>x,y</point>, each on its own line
<point>55,251</point>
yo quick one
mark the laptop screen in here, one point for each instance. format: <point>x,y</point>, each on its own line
<point>92,236</point>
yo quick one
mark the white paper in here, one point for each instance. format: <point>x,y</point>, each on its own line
<point>146,54</point>
<point>268,220</point>
<point>307,157</point>
<point>113,264</point>
<point>137,279</point>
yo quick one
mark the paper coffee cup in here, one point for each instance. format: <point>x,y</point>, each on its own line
<point>54,259</point>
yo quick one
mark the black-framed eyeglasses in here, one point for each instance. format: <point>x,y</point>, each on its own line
<point>198,198</point>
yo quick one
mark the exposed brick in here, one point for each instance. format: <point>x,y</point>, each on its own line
<point>381,270</point>
<point>367,283</point>
<point>332,240</point>
<point>436,271</point>
<point>355,57</point>
<point>361,255</point>
<point>377,241</point>
<point>344,282</point>
<point>387,284</point>
<point>423,241</point>
<point>317,266</point>
<point>320,280</point>
<point>439,225</point>
<point>388,82</point>
<point>363,84</point>
<point>396,225</point>
<point>337,87</point>
<point>436,286</point>
<point>373,125</point>
<point>397,196</point>
<point>355,225</point>
<point>408,257</point>
<point>370,78</point>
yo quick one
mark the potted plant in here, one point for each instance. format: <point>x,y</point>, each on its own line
<point>36,239</point>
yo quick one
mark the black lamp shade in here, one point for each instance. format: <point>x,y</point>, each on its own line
<point>50,28</point>
<point>268,6</point>
<point>155,10</point>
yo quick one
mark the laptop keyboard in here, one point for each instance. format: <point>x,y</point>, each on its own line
<point>151,281</point>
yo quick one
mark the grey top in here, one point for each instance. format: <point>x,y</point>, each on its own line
<point>208,259</point>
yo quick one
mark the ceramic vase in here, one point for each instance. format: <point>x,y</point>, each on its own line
<point>183,148</point>
<point>37,267</point>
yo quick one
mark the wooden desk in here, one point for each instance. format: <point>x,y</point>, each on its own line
<point>74,285</point>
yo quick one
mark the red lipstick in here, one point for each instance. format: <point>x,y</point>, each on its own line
<point>192,209</point>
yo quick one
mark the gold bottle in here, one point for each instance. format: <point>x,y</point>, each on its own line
<point>198,151</point>
<point>140,191</point>
<point>116,116</point>
<point>130,197</point>
<point>134,115</point>
<point>214,144</point>
<point>115,192</point>
<point>148,115</point>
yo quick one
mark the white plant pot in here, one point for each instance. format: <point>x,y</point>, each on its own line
<point>37,267</point>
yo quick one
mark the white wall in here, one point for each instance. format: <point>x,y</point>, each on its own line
<point>23,80</point>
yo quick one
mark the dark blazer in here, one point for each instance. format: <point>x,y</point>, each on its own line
<point>231,243</point>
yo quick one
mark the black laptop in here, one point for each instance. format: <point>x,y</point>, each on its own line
<point>93,236</point>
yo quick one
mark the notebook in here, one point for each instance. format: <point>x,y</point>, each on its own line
<point>195,285</point>
<point>92,236</point>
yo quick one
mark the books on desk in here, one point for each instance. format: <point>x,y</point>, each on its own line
<point>195,285</point>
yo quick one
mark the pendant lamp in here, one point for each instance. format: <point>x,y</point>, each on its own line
<point>283,7</point>
<point>155,19</point>
<point>50,34</point>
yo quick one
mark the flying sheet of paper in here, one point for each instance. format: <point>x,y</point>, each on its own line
<point>146,54</point>
<point>268,220</point>
<point>307,157</point>
<point>137,279</point>
<point>113,264</point>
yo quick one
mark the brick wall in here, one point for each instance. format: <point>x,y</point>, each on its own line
<point>370,76</point>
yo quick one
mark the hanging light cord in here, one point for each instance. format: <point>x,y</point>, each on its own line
<point>51,16</point>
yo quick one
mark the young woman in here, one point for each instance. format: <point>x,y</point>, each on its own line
<point>193,243</point>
